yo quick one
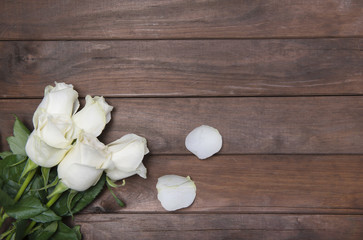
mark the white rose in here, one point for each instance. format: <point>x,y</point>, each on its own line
<point>117,174</point>
<point>127,154</point>
<point>175,192</point>
<point>59,100</point>
<point>43,154</point>
<point>81,168</point>
<point>94,116</point>
<point>56,131</point>
<point>53,127</point>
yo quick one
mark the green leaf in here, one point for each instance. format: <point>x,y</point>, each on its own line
<point>45,175</point>
<point>11,188</point>
<point>18,141</point>
<point>27,207</point>
<point>29,166</point>
<point>119,202</point>
<point>60,206</point>
<point>5,154</point>
<point>60,188</point>
<point>10,172</point>
<point>35,189</point>
<point>47,216</point>
<point>77,230</point>
<point>11,167</point>
<point>89,195</point>
<point>71,195</point>
<point>5,199</point>
<point>46,232</point>
<point>54,183</point>
<point>79,201</point>
<point>20,227</point>
<point>64,232</point>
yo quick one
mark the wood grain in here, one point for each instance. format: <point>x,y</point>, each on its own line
<point>158,19</point>
<point>287,125</point>
<point>249,184</point>
<point>281,80</point>
<point>184,68</point>
<point>220,226</point>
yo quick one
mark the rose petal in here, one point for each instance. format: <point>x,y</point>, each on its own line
<point>56,131</point>
<point>61,100</point>
<point>115,174</point>
<point>79,170</point>
<point>94,116</point>
<point>204,141</point>
<point>175,192</point>
<point>43,154</point>
<point>128,152</point>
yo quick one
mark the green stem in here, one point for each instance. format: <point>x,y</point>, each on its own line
<point>25,184</point>
<point>30,227</point>
<point>10,236</point>
<point>49,204</point>
<point>7,233</point>
<point>3,218</point>
<point>53,200</point>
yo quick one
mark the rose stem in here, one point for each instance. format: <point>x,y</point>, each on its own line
<point>25,184</point>
<point>49,204</point>
<point>20,193</point>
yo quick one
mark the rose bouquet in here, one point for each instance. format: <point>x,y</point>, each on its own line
<point>60,167</point>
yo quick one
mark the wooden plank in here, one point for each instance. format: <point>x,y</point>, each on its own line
<point>294,125</point>
<point>184,68</point>
<point>249,184</point>
<point>158,19</point>
<point>220,226</point>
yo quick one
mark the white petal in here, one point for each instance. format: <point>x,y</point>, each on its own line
<point>125,140</point>
<point>204,141</point>
<point>175,192</point>
<point>43,154</point>
<point>116,174</point>
<point>55,131</point>
<point>77,170</point>
<point>94,116</point>
<point>128,152</point>
<point>78,177</point>
<point>141,171</point>
<point>61,99</point>
<point>93,152</point>
<point>104,105</point>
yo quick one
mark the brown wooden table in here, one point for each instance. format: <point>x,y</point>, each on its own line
<point>281,80</point>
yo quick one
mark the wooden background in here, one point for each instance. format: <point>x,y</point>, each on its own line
<point>281,80</point>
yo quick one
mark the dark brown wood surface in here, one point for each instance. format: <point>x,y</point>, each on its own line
<point>185,68</point>
<point>223,226</point>
<point>160,19</point>
<point>281,80</point>
<point>296,184</point>
<point>288,125</point>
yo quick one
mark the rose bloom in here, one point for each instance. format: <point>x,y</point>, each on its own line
<point>93,118</point>
<point>127,154</point>
<point>81,167</point>
<point>53,127</point>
